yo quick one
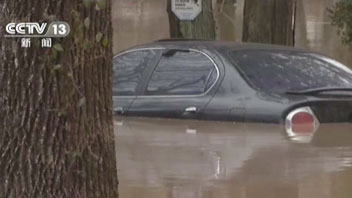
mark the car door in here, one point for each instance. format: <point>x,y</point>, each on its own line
<point>179,85</point>
<point>129,70</point>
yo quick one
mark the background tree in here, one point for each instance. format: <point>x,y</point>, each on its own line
<point>269,21</point>
<point>203,27</point>
<point>341,15</point>
<point>56,130</point>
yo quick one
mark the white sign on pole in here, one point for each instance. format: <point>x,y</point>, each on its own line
<point>186,10</point>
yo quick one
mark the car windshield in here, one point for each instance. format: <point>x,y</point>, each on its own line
<point>282,71</point>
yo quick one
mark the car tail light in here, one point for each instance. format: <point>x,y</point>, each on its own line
<point>301,124</point>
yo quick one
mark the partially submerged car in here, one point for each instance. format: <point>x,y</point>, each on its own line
<point>225,81</point>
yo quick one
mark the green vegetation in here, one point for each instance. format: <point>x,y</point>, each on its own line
<point>341,15</point>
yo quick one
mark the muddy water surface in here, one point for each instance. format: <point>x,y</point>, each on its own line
<point>160,158</point>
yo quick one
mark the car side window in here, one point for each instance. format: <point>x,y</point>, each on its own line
<point>182,73</point>
<point>211,79</point>
<point>128,70</point>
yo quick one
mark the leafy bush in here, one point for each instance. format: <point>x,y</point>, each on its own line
<point>341,15</point>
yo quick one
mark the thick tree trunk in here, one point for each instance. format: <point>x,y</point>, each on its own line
<point>56,131</point>
<point>225,19</point>
<point>269,21</point>
<point>203,27</point>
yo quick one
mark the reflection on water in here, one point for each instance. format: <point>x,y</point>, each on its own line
<point>173,158</point>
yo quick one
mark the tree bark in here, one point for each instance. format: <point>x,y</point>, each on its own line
<point>56,130</point>
<point>203,27</point>
<point>269,21</point>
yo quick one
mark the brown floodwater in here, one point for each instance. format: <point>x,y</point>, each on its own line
<point>160,158</point>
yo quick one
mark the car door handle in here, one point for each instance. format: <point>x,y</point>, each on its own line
<point>119,110</point>
<point>191,110</point>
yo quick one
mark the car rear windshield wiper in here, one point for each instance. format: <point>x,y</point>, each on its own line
<point>319,90</point>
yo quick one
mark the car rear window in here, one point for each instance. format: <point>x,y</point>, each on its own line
<point>182,73</point>
<point>282,71</point>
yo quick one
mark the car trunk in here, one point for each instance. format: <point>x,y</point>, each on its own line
<point>333,111</point>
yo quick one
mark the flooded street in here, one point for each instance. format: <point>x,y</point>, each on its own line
<point>137,22</point>
<point>160,158</point>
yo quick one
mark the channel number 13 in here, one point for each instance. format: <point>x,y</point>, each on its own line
<point>60,29</point>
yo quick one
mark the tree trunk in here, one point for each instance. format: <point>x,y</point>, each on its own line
<point>269,21</point>
<point>203,27</point>
<point>56,130</point>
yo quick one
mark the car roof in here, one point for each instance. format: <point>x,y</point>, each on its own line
<point>220,46</point>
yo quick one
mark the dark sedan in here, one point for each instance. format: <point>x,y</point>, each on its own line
<point>232,82</point>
